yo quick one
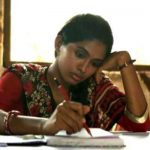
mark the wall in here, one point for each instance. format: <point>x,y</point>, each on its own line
<point>1,30</point>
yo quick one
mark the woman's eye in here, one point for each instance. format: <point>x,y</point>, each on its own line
<point>96,63</point>
<point>80,53</point>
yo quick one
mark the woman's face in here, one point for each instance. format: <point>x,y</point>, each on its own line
<point>78,61</point>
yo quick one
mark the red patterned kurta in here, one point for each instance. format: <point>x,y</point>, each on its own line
<point>25,88</point>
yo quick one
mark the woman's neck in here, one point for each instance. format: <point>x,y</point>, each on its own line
<point>51,74</point>
<point>54,72</point>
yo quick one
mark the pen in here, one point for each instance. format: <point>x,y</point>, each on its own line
<point>66,97</point>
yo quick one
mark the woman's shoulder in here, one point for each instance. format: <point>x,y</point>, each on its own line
<point>23,70</point>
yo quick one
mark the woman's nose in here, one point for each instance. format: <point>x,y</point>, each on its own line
<point>84,66</point>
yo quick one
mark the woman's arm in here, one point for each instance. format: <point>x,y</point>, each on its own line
<point>59,120</point>
<point>21,124</point>
<point>10,99</point>
<point>67,116</point>
<point>136,105</point>
<point>136,102</point>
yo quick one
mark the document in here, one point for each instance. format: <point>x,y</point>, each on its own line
<point>100,138</point>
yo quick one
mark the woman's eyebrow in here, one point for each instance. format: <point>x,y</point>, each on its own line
<point>86,51</point>
<point>97,59</point>
<point>83,48</point>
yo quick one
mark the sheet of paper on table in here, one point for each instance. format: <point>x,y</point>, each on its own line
<point>100,138</point>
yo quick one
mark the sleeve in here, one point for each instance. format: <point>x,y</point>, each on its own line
<point>110,105</point>
<point>10,92</point>
<point>132,123</point>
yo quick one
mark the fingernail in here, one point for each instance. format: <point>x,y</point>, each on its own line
<point>83,120</point>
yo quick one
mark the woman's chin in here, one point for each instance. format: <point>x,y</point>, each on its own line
<point>74,82</point>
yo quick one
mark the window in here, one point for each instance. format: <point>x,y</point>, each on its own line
<point>35,23</point>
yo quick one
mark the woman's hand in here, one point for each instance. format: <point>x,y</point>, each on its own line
<point>112,62</point>
<point>68,116</point>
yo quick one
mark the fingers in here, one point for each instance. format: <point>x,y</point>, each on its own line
<point>98,76</point>
<point>110,63</point>
<point>71,116</point>
<point>86,109</point>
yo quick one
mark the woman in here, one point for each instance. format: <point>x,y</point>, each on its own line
<point>82,50</point>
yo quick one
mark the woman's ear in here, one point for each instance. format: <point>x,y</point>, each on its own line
<point>58,43</point>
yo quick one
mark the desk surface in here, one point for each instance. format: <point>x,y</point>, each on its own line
<point>132,141</point>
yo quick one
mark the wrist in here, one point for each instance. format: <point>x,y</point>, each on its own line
<point>126,64</point>
<point>41,127</point>
<point>47,128</point>
<point>7,121</point>
<point>124,60</point>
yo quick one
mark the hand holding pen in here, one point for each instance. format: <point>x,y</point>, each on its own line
<point>63,91</point>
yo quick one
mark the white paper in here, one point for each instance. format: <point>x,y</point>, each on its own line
<point>100,138</point>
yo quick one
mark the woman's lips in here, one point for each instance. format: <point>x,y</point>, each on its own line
<point>76,77</point>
